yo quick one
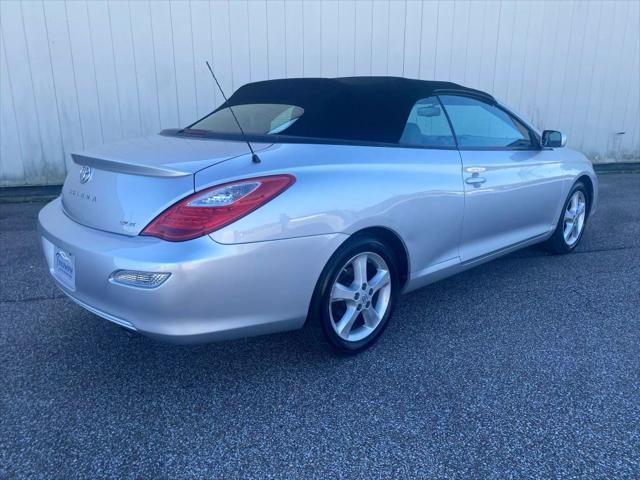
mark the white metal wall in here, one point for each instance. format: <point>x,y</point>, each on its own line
<point>75,74</point>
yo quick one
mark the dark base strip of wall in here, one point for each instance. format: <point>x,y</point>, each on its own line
<point>29,194</point>
<point>626,167</point>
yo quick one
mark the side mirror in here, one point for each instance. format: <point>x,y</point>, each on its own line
<point>430,111</point>
<point>553,139</point>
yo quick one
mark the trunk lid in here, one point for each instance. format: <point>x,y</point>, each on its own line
<point>121,187</point>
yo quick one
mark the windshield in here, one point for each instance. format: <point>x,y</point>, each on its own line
<point>255,118</point>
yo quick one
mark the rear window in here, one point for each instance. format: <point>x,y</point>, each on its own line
<point>255,118</point>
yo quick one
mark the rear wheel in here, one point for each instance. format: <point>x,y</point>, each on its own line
<point>356,294</point>
<point>572,222</point>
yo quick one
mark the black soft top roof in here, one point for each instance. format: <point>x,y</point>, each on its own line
<point>373,109</point>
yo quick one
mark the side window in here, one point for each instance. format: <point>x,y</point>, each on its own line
<point>427,125</point>
<point>479,124</point>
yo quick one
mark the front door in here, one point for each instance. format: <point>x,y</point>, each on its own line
<point>512,186</point>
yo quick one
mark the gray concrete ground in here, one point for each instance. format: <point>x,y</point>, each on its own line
<point>528,366</point>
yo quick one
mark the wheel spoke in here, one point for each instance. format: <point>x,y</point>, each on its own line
<point>574,202</point>
<point>360,270</point>
<point>345,324</point>
<point>568,216</point>
<point>342,293</point>
<point>379,280</point>
<point>371,318</point>
<point>568,228</point>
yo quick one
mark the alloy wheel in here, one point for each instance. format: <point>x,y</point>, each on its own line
<point>574,217</point>
<point>360,296</point>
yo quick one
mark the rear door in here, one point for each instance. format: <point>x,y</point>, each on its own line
<point>512,186</point>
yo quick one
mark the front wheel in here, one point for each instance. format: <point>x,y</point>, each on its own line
<point>572,222</point>
<point>356,294</point>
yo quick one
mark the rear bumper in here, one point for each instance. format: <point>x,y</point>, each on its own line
<point>215,291</point>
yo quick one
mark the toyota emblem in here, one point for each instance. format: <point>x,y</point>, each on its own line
<point>85,174</point>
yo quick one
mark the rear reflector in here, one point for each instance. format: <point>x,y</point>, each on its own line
<point>134,278</point>
<point>216,207</point>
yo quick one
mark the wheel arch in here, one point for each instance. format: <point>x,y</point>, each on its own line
<point>586,180</point>
<point>393,240</point>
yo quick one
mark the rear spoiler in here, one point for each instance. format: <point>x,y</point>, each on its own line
<point>130,168</point>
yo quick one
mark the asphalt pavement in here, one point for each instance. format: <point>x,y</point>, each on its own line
<point>528,366</point>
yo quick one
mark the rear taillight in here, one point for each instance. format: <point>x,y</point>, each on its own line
<point>211,209</point>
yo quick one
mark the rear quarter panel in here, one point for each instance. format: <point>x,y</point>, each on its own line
<point>416,193</point>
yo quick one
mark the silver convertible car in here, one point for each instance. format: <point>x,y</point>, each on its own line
<point>359,189</point>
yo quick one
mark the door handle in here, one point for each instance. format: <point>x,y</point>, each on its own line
<point>475,179</point>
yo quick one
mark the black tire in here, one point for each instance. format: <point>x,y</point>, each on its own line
<point>319,319</point>
<point>556,244</point>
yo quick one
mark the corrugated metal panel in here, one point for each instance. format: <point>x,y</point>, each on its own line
<point>76,74</point>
